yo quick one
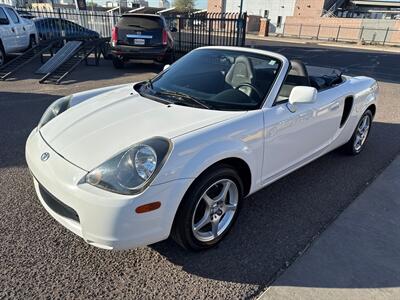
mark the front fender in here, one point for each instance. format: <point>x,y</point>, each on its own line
<point>195,152</point>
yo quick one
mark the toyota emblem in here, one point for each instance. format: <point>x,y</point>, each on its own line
<point>45,156</point>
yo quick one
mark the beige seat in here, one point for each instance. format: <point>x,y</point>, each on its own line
<point>241,72</point>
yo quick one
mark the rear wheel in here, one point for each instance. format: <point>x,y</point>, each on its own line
<point>32,42</point>
<point>118,62</point>
<point>359,138</point>
<point>169,57</point>
<point>209,209</point>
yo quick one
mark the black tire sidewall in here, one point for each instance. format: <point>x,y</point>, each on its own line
<point>32,41</point>
<point>183,221</point>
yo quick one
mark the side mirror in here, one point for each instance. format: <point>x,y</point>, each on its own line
<point>173,29</point>
<point>301,94</point>
<point>166,67</point>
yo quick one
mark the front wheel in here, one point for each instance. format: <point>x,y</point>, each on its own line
<point>359,138</point>
<point>209,209</point>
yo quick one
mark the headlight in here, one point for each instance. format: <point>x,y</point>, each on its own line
<point>132,170</point>
<point>55,109</point>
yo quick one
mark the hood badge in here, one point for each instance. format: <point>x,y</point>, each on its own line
<point>45,156</point>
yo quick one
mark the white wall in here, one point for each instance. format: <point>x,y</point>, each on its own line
<point>276,8</point>
<point>9,2</point>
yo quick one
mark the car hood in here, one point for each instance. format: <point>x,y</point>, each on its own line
<point>109,120</point>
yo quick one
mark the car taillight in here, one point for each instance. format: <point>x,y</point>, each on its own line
<point>114,34</point>
<point>164,37</point>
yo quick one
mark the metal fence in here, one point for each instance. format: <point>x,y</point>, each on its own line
<point>216,29</point>
<point>365,35</point>
<point>192,30</point>
<point>53,23</point>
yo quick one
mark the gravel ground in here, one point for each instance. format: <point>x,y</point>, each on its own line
<point>39,258</point>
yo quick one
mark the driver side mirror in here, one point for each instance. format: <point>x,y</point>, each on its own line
<point>166,67</point>
<point>301,94</point>
<point>173,29</point>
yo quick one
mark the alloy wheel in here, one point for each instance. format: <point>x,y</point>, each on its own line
<point>215,210</point>
<point>362,132</point>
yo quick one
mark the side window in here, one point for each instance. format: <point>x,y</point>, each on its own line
<point>13,15</point>
<point>3,17</point>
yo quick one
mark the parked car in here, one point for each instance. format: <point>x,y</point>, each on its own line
<point>25,14</point>
<point>52,28</point>
<point>141,36</point>
<point>129,165</point>
<point>16,34</point>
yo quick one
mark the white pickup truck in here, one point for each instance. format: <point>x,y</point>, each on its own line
<point>16,33</point>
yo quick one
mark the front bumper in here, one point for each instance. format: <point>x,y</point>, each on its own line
<point>104,219</point>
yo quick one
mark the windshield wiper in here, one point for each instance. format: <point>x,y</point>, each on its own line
<point>184,96</point>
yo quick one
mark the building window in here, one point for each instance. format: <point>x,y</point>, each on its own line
<point>266,13</point>
<point>279,21</point>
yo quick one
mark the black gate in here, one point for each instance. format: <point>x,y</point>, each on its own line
<point>207,29</point>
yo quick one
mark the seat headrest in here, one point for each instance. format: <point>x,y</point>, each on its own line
<point>240,72</point>
<point>299,69</point>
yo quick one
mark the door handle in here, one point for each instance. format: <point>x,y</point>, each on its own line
<point>23,28</point>
<point>335,106</point>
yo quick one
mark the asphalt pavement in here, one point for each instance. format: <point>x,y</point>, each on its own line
<point>39,258</point>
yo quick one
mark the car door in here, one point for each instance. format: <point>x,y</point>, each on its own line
<point>18,27</point>
<point>7,35</point>
<point>294,138</point>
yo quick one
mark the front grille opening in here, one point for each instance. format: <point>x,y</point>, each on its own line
<point>57,206</point>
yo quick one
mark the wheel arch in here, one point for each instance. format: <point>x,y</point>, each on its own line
<point>239,165</point>
<point>372,108</point>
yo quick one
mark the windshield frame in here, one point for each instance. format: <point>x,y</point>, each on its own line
<point>251,52</point>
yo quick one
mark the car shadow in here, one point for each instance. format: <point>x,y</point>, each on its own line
<point>279,222</point>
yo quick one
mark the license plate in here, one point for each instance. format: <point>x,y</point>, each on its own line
<point>140,42</point>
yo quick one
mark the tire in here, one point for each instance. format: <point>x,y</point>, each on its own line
<point>359,138</point>
<point>32,42</point>
<point>194,209</point>
<point>118,62</point>
<point>2,55</point>
<point>169,58</point>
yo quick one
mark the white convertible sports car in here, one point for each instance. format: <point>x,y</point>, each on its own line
<point>130,165</point>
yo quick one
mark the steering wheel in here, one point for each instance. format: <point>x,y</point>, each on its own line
<point>260,96</point>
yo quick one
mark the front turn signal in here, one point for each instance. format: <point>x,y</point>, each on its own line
<point>148,207</point>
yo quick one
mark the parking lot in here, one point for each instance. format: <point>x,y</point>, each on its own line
<point>40,258</point>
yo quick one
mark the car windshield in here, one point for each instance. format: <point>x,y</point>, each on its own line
<point>217,79</point>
